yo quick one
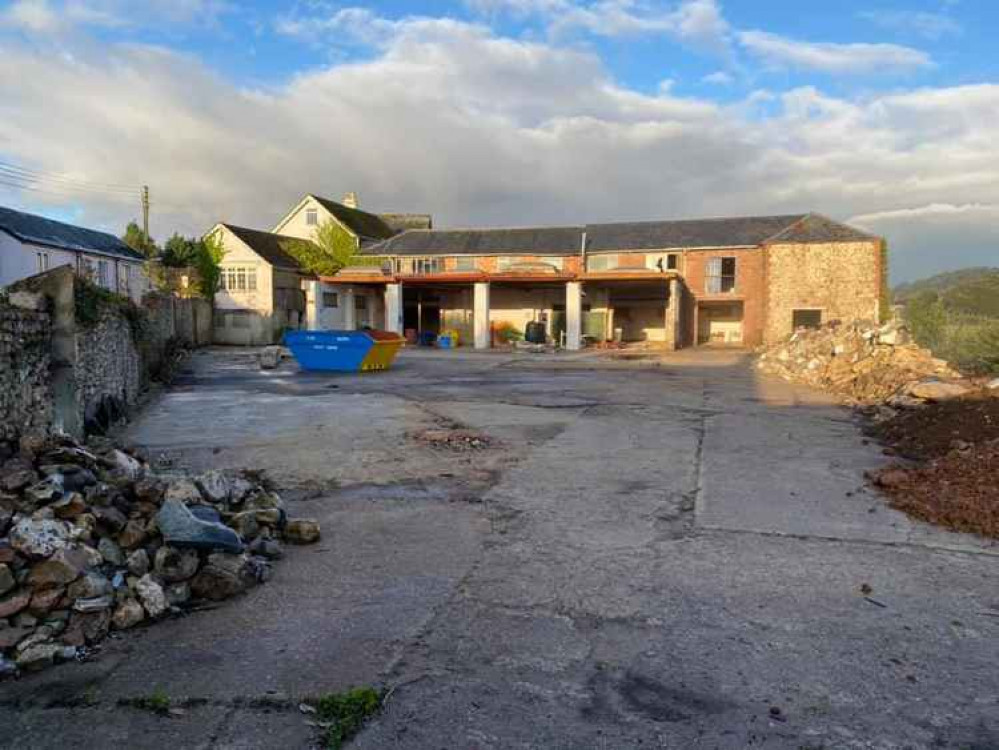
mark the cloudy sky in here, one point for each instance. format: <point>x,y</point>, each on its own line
<point>484,112</point>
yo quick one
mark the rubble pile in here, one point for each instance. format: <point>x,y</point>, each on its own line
<point>458,441</point>
<point>865,363</point>
<point>92,540</point>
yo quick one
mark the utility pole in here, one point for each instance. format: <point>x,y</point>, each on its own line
<point>145,216</point>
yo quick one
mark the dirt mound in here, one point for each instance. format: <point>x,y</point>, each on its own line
<point>936,429</point>
<point>861,361</point>
<point>957,442</point>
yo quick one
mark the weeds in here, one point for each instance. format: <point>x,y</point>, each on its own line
<point>342,715</point>
<point>158,702</point>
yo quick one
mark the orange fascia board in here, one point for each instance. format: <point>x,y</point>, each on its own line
<point>628,276</point>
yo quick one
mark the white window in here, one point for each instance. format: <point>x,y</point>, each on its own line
<point>124,278</point>
<point>331,299</point>
<point>238,279</point>
<point>311,216</point>
<point>43,262</point>
<point>102,274</point>
<point>720,275</point>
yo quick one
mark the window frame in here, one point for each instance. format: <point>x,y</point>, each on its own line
<point>336,300</point>
<point>795,310</point>
<point>716,280</point>
<point>312,217</point>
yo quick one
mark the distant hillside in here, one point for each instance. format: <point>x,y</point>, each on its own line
<point>971,291</point>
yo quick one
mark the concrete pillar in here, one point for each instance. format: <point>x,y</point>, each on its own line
<point>393,308</point>
<point>673,315</point>
<point>313,304</point>
<point>573,315</point>
<point>480,321</point>
<point>349,310</point>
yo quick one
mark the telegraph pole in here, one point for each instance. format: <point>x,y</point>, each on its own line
<point>145,215</point>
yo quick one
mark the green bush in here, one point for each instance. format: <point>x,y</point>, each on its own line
<point>969,342</point>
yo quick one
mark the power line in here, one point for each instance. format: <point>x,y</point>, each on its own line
<point>52,177</point>
<point>63,193</point>
<point>19,179</point>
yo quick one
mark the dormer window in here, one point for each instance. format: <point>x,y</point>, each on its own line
<point>312,216</point>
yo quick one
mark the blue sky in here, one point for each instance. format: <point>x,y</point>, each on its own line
<point>515,111</point>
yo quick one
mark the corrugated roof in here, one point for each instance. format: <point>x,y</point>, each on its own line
<point>364,225</point>
<point>41,231</point>
<point>739,231</point>
<point>270,247</point>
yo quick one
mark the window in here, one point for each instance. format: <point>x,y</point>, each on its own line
<point>219,320</point>
<point>672,261</point>
<point>361,303</point>
<point>465,264</point>
<point>238,279</point>
<point>806,319</point>
<point>331,299</point>
<point>240,319</point>
<point>720,275</point>
<point>43,262</point>
<point>124,278</point>
<point>312,216</point>
<point>102,273</point>
<point>600,262</point>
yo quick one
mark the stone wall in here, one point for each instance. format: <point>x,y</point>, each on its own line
<point>75,364</point>
<point>25,393</point>
<point>842,280</point>
<point>110,371</point>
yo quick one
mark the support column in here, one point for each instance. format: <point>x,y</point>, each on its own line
<point>573,315</point>
<point>313,304</point>
<point>672,321</point>
<point>393,308</point>
<point>349,310</point>
<point>480,321</point>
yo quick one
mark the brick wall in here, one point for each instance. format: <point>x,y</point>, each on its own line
<point>749,288</point>
<point>841,279</point>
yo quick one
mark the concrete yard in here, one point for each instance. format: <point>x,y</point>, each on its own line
<point>650,553</point>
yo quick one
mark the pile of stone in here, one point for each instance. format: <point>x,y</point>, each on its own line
<point>457,441</point>
<point>865,363</point>
<point>92,540</point>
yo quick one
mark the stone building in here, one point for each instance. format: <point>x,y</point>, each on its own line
<point>730,281</point>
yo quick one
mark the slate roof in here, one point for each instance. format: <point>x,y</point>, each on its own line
<point>402,222</point>
<point>38,230</point>
<point>530,240</point>
<point>742,231</point>
<point>366,226</point>
<point>269,246</point>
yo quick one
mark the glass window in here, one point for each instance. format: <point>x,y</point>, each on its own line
<point>599,262</point>
<point>806,319</point>
<point>43,262</point>
<point>311,216</point>
<point>465,263</point>
<point>251,279</point>
<point>360,302</point>
<point>102,273</point>
<point>241,279</point>
<point>331,299</point>
<point>720,276</point>
<point>672,261</point>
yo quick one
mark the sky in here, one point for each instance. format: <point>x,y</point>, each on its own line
<point>882,113</point>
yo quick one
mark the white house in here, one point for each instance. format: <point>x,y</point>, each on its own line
<point>31,244</point>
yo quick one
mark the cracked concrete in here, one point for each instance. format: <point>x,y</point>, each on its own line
<point>654,554</point>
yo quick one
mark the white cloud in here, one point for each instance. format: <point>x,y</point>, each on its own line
<point>479,129</point>
<point>928,25</point>
<point>782,52</point>
<point>719,77</point>
<point>64,16</point>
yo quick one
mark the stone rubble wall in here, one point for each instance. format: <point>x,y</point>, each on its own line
<point>25,395</point>
<point>58,374</point>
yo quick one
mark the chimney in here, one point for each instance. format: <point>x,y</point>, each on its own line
<point>350,200</point>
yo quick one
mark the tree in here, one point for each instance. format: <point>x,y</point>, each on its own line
<point>208,254</point>
<point>336,243</point>
<point>180,252</point>
<point>332,249</point>
<point>136,239</point>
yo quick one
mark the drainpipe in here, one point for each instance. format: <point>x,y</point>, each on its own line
<point>582,251</point>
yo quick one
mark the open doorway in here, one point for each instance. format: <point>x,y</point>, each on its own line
<point>720,323</point>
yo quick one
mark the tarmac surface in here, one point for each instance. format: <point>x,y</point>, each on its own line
<point>664,552</point>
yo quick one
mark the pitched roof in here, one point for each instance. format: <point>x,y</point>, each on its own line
<point>402,222</point>
<point>529,240</point>
<point>819,228</point>
<point>740,231</point>
<point>366,226</point>
<point>41,231</point>
<point>269,246</point>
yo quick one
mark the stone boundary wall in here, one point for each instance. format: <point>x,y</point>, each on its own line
<point>60,375</point>
<point>25,393</point>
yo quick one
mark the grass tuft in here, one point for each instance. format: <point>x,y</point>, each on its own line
<point>346,713</point>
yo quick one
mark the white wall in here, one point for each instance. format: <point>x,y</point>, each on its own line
<point>335,318</point>
<point>296,226</point>
<point>19,260</point>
